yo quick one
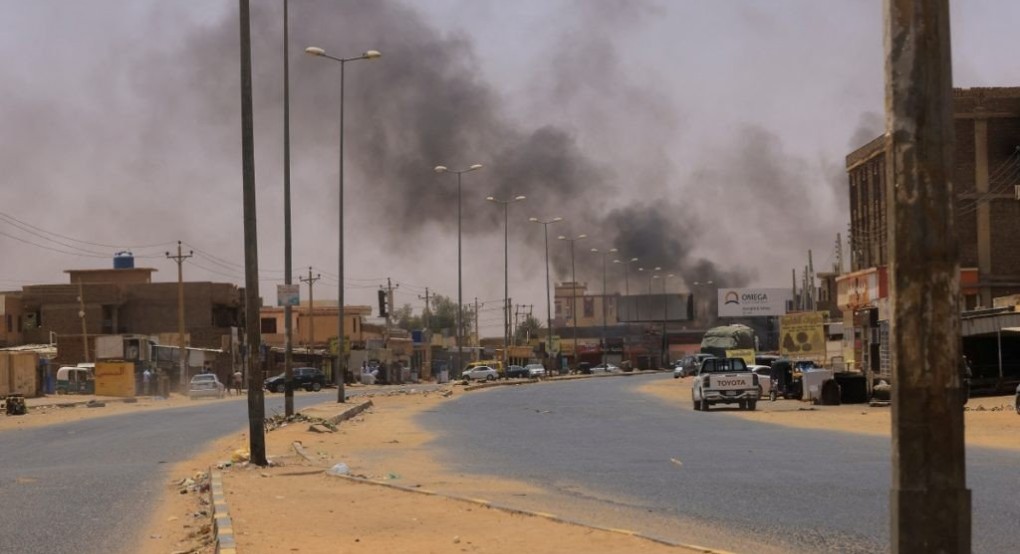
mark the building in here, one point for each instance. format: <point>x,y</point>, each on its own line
<point>987,218</point>
<point>125,301</point>
<point>316,326</point>
<point>11,319</point>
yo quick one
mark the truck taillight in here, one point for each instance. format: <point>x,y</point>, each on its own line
<point>754,379</point>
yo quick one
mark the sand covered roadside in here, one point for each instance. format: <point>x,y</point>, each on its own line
<point>66,409</point>
<point>989,421</point>
<point>296,507</point>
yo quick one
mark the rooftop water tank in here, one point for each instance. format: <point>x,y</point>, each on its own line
<point>123,260</point>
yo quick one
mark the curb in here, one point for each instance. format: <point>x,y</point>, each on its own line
<point>223,526</point>
<point>558,378</point>
<point>552,517</point>
<point>350,412</point>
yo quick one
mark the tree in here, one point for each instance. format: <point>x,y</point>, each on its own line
<point>443,316</point>
<point>528,329</point>
<point>404,318</point>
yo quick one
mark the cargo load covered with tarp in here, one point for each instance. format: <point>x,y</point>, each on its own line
<point>718,340</point>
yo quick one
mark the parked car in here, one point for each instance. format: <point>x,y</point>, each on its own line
<point>605,368</point>
<point>678,369</point>
<point>480,373</point>
<point>535,371</point>
<point>764,374</point>
<point>516,372</point>
<point>206,385</point>
<point>308,378</point>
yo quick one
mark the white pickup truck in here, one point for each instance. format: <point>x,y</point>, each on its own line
<point>725,381</point>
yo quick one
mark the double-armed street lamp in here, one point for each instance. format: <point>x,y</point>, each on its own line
<point>506,271</point>
<point>460,288</point>
<point>548,298</point>
<point>340,360</point>
<point>650,275</point>
<point>573,286</point>
<point>605,298</point>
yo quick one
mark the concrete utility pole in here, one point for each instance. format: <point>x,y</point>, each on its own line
<point>478,338</point>
<point>182,352</point>
<point>389,311</point>
<point>84,326</point>
<point>425,316</point>
<point>930,505</point>
<point>288,324</point>
<point>256,406</point>
<point>311,304</point>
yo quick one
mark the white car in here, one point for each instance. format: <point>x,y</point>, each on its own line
<point>206,384</point>
<point>480,373</point>
<point>535,371</point>
<point>764,373</point>
<point>607,368</point>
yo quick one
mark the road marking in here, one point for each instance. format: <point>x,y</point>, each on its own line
<point>624,531</point>
<point>480,501</point>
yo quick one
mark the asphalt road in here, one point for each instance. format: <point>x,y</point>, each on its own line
<point>608,455</point>
<point>89,486</point>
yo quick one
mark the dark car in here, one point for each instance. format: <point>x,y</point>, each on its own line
<point>517,372</point>
<point>308,378</point>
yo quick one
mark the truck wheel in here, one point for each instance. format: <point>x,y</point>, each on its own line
<point>316,387</point>
<point>695,402</point>
<point>705,405</point>
<point>280,388</point>
<point>742,404</point>
<point>752,405</point>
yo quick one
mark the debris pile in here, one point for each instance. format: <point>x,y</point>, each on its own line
<point>279,421</point>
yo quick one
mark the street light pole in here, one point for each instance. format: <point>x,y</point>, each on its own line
<point>288,324</point>
<point>548,297</point>
<point>573,288</point>
<point>664,358</point>
<point>460,288</point>
<point>605,296</point>
<point>340,366</point>
<point>506,273</point>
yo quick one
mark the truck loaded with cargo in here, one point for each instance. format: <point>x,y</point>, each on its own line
<point>725,381</point>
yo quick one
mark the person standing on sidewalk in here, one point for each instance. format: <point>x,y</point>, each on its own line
<point>147,382</point>
<point>237,379</point>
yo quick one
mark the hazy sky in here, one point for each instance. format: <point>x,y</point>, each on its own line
<point>705,137</point>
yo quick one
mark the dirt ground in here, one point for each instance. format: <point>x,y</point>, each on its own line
<point>988,421</point>
<point>294,506</point>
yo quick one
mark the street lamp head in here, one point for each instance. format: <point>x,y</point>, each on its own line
<point>613,250</point>
<point>595,250</point>
<point>561,237</point>
<point>657,268</point>
<point>474,167</point>
<point>520,197</point>
<point>533,219</point>
<point>315,51</point>
<point>372,54</point>
<point>633,259</point>
<point>490,198</point>
<point>582,236</point>
<point>440,169</point>
<point>617,262</point>
<point>557,219</point>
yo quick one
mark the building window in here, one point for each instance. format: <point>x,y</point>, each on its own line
<point>10,323</point>
<point>269,325</point>
<point>589,307</point>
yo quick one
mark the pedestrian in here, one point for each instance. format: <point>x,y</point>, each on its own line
<point>206,368</point>
<point>147,382</point>
<point>237,381</point>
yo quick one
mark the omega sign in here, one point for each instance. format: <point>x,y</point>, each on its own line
<point>753,302</point>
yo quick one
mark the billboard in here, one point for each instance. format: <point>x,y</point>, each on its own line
<point>288,295</point>
<point>802,336</point>
<point>754,302</point>
<point>654,307</point>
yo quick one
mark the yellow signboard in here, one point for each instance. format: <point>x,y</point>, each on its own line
<point>802,336</point>
<point>115,379</point>
<point>746,354</point>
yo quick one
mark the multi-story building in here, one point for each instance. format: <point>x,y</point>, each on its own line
<point>126,301</point>
<point>11,319</point>
<point>315,327</point>
<point>987,219</point>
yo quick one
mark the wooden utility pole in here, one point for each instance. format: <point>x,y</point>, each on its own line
<point>256,406</point>
<point>182,350</point>
<point>84,326</point>
<point>930,504</point>
<point>311,304</point>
